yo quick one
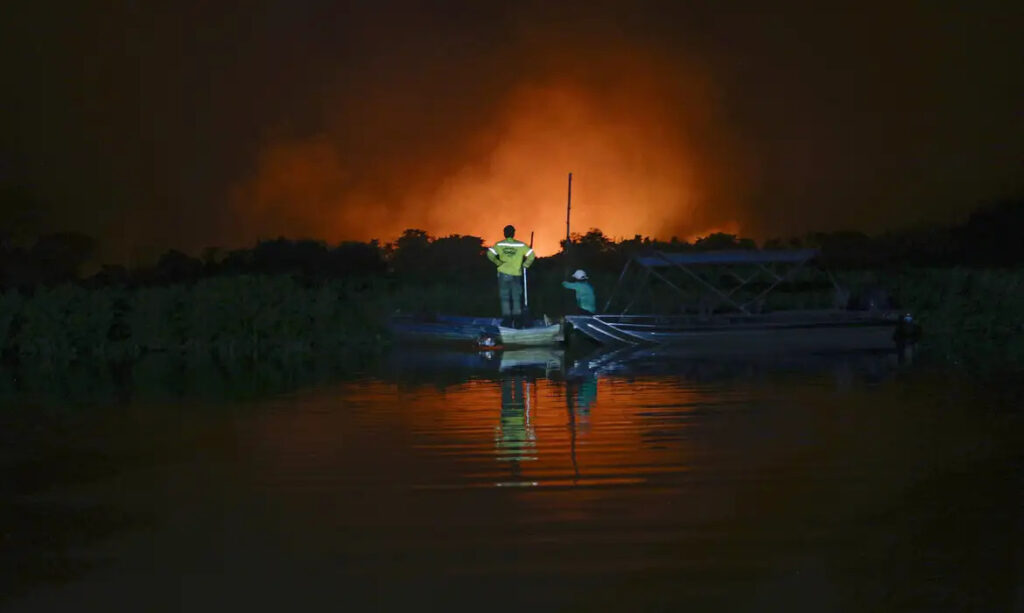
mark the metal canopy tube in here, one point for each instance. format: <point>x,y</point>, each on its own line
<point>647,273</point>
<point>676,287</point>
<point>788,275</point>
<point>699,280</point>
<point>733,256</point>
<point>618,283</point>
<point>770,272</point>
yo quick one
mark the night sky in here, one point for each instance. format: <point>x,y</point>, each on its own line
<point>194,124</point>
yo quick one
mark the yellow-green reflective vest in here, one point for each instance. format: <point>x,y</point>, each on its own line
<point>511,256</point>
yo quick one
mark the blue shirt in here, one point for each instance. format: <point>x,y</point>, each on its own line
<point>585,298</point>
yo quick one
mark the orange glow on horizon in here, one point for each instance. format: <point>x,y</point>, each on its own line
<point>634,172</point>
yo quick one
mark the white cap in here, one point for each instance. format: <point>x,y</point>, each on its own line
<point>579,274</point>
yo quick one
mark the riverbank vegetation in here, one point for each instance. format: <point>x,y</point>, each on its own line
<point>303,297</point>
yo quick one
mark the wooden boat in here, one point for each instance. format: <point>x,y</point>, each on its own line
<point>483,331</point>
<point>735,324</point>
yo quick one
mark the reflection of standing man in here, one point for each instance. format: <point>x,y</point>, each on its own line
<point>511,256</point>
<point>516,440</point>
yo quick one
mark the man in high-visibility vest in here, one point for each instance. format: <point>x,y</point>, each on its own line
<point>511,256</point>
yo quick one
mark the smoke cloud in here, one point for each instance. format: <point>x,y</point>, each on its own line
<point>643,142</point>
<point>216,124</point>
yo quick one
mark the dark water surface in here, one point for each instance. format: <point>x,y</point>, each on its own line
<point>520,481</point>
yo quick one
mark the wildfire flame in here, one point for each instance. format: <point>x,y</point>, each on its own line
<point>634,172</point>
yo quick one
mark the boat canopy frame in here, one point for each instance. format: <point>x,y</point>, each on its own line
<point>777,265</point>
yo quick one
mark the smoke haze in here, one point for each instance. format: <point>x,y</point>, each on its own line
<point>643,143</point>
<point>217,124</point>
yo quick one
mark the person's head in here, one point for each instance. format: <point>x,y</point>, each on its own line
<point>579,275</point>
<point>510,231</point>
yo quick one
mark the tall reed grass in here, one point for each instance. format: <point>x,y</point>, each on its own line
<point>235,317</point>
<point>261,316</point>
<point>966,314</point>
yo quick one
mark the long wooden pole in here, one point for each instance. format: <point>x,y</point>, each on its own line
<point>568,209</point>
<point>568,241</point>
<point>526,291</point>
<point>565,334</point>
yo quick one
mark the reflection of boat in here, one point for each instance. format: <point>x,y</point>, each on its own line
<point>728,311</point>
<point>453,361</point>
<point>453,328</point>
<point>545,357</point>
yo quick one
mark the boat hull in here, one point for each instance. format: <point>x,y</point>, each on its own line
<point>777,333</point>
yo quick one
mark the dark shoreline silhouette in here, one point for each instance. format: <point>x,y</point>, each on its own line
<point>989,238</point>
<point>304,297</point>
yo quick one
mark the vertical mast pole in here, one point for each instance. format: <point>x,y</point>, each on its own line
<point>568,209</point>
<point>568,239</point>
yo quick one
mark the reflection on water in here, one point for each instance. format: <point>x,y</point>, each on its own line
<point>617,480</point>
<point>516,439</point>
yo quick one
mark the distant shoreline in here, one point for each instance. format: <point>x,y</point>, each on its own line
<point>964,312</point>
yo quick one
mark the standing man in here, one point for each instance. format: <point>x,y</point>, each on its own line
<point>511,256</point>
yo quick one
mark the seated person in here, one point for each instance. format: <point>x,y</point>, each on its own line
<point>586,302</point>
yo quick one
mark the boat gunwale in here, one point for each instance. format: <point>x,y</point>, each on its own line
<point>595,327</point>
<point>753,322</point>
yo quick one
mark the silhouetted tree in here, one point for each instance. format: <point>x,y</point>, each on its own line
<point>410,254</point>
<point>177,267</point>
<point>109,275</point>
<point>355,258</point>
<point>417,255</point>
<point>991,235</point>
<point>460,257</point>
<point>721,240</point>
<point>594,251</point>
<point>59,257</point>
<point>237,261</point>
<point>211,261</point>
<point>308,257</point>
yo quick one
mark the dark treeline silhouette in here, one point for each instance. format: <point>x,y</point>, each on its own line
<point>53,258</point>
<point>988,238</point>
<point>597,252</point>
<point>287,297</point>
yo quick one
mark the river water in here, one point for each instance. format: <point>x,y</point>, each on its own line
<point>516,481</point>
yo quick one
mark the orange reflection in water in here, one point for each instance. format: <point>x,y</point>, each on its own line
<point>520,430</point>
